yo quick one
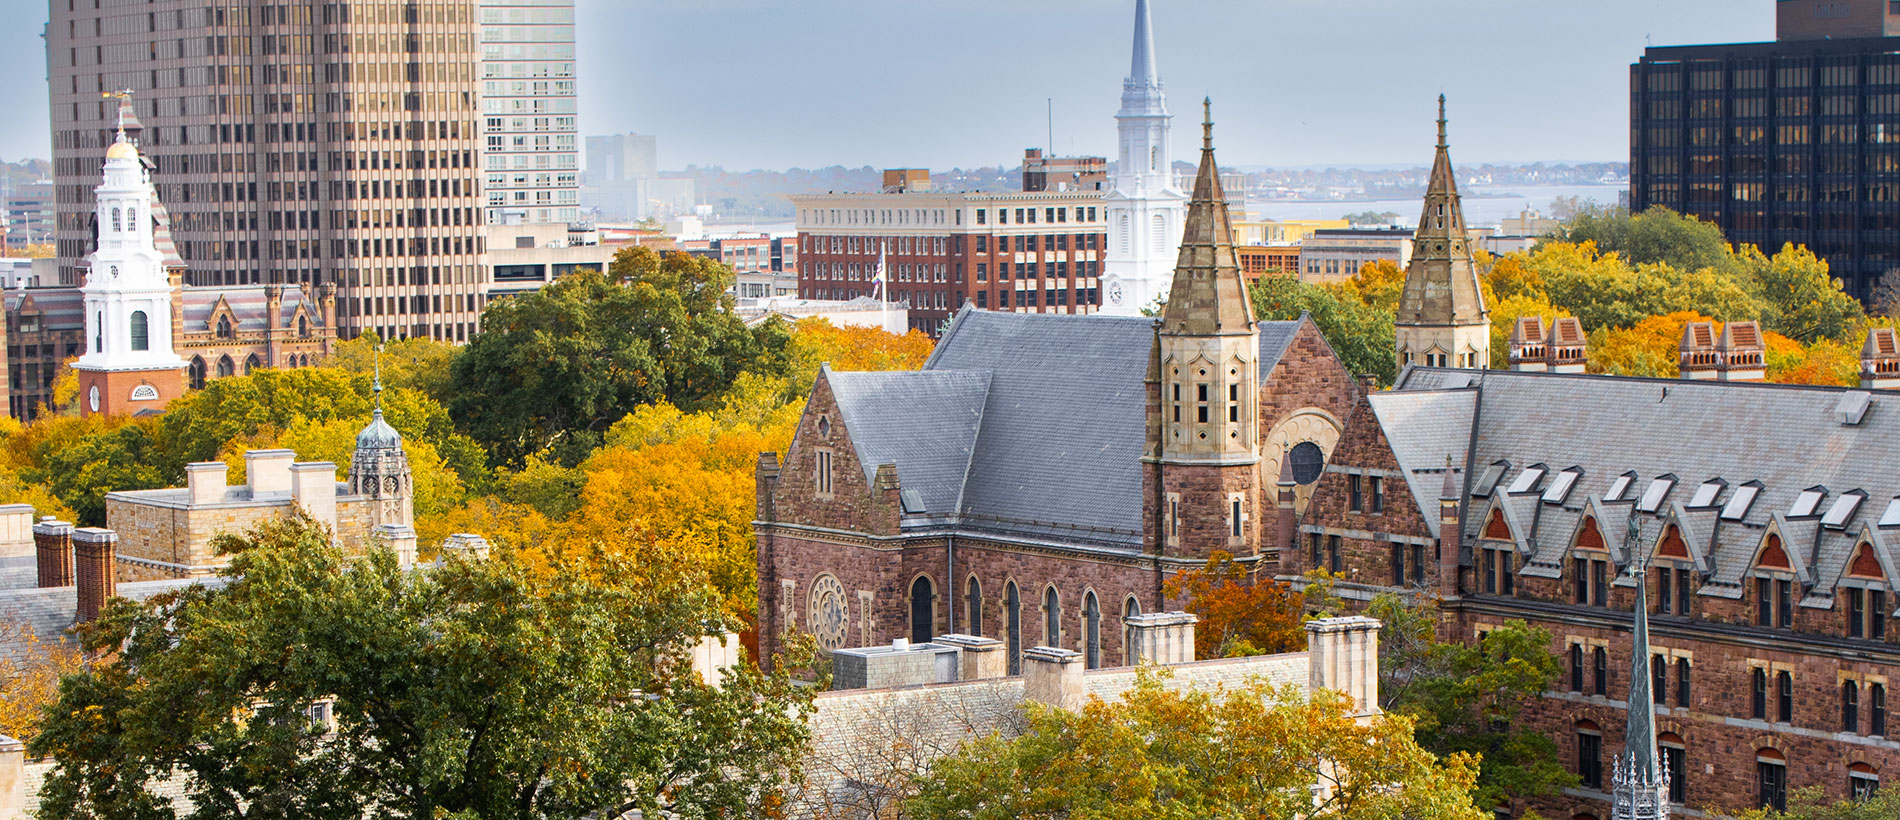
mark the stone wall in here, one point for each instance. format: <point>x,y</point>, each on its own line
<point>1365,537</point>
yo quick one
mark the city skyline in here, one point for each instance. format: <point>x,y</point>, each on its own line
<point>711,105</point>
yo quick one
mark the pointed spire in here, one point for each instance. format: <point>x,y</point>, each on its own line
<point>1208,296</point>
<point>1141,67</point>
<point>1639,787</point>
<point>1441,281</point>
<point>376,387</point>
<point>1448,489</point>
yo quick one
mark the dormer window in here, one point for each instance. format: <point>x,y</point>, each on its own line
<point>1739,501</point>
<point>1807,502</point>
<point>1559,489</point>
<point>1619,487</point>
<point>1707,494</point>
<point>1658,490</point>
<point>1527,480</point>
<point>1488,480</point>
<point>1843,509</point>
<point>1891,518</point>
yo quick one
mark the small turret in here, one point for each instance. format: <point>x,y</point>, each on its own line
<point>1880,359</point>
<point>379,469</point>
<point>1695,355</point>
<point>1740,353</point>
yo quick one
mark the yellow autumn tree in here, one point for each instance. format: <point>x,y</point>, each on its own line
<point>1648,348</point>
<point>817,341</point>
<point>29,676</point>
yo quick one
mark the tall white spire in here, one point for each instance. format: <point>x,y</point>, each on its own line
<point>1145,208</point>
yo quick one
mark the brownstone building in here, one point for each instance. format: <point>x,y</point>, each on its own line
<point>1044,475</point>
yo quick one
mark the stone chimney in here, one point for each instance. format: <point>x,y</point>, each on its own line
<point>1343,655</point>
<point>313,488</point>
<point>983,658</point>
<point>16,530</point>
<point>1054,676</point>
<point>1286,520</point>
<point>1880,360</point>
<point>765,483</point>
<point>1739,353</point>
<point>1450,540</point>
<point>1527,344</point>
<point>53,544</point>
<point>206,481</point>
<point>95,569</point>
<point>1163,638</point>
<point>467,545</point>
<point>12,779</point>
<point>268,472</point>
<point>1567,346</point>
<point>400,539</point>
<point>1696,356</point>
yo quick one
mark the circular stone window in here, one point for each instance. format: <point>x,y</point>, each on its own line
<point>1308,461</point>
<point>828,612</point>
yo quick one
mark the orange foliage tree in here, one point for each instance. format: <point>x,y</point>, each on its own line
<point>1239,615</point>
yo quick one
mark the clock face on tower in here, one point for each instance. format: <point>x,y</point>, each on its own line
<point>1115,293</point>
<point>92,398</point>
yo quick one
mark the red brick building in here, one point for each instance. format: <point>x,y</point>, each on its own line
<point>1020,252</point>
<point>1044,475</point>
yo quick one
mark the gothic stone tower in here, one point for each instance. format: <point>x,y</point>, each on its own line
<point>1204,434</point>
<point>1442,320</point>
<point>379,470</point>
<point>1145,211</point>
<point>129,365</point>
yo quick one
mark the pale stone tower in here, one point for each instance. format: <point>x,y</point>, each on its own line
<point>1442,318</point>
<point>379,469</point>
<point>1145,210</point>
<point>1207,348</point>
<point>1639,788</point>
<point>129,365</point>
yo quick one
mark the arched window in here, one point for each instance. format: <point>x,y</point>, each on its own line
<point>1784,696</point>
<point>1672,753</point>
<point>141,333</point>
<point>1130,608</point>
<point>99,332</point>
<point>973,607</point>
<point>224,327</point>
<point>1771,777</point>
<point>1758,697</point>
<point>920,610</point>
<point>1862,781</point>
<point>303,326</point>
<point>1013,613</point>
<point>1850,706</point>
<point>1091,631</point>
<point>1051,617</point>
<point>132,219</point>
<point>196,373</point>
<point>225,366</point>
<point>116,224</point>
<point>1600,663</point>
<point>251,363</point>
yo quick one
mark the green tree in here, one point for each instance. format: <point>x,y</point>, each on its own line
<point>1360,334</point>
<point>552,370</point>
<point>1255,752</point>
<point>1658,235</point>
<point>1805,302</point>
<point>1812,803</point>
<point>476,690</point>
<point>418,362</point>
<point>197,425</point>
<point>1466,698</point>
<point>122,458</point>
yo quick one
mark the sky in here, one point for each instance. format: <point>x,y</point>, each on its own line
<point>776,84</point>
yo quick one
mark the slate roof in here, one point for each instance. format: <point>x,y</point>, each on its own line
<point>60,308</point>
<point>250,307</point>
<point>49,612</point>
<point>1022,424</point>
<point>1787,437</point>
<point>1424,428</point>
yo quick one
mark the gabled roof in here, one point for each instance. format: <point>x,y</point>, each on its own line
<point>250,307</point>
<point>1423,428</point>
<point>1789,437</point>
<point>925,423</point>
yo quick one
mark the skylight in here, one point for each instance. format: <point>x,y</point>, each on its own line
<point>1807,502</point>
<point>1559,488</point>
<point>1706,494</point>
<point>1739,502</point>
<point>1891,518</point>
<point>1488,481</point>
<point>1526,481</point>
<point>1619,486</point>
<point>1653,497</point>
<point>1842,510</point>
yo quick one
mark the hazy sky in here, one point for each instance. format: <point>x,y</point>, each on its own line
<point>939,83</point>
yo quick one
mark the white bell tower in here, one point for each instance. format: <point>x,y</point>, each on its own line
<point>1145,209</point>
<point>129,365</point>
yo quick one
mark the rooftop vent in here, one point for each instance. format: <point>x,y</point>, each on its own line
<point>1843,509</point>
<point>1488,480</point>
<point>1853,406</point>
<point>1619,486</point>
<point>1657,491</point>
<point>1706,495</point>
<point>912,501</point>
<point>1527,481</point>
<point>1559,489</point>
<point>1891,518</point>
<point>1807,502</point>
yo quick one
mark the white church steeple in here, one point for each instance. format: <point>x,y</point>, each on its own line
<point>1145,209</point>
<point>129,365</point>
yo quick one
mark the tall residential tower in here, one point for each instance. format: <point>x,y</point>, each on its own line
<point>329,143</point>
<point>1145,210</point>
<point>532,156</point>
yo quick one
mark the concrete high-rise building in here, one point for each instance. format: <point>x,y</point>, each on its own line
<point>1790,141</point>
<point>532,161</point>
<point>330,143</point>
<point>621,157</point>
<point>1145,209</point>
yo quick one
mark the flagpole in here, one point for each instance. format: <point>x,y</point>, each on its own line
<point>884,285</point>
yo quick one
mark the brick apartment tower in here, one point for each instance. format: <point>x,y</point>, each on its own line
<point>1442,319</point>
<point>331,143</point>
<point>1203,461</point>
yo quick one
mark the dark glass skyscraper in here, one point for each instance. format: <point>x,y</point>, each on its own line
<point>1792,141</point>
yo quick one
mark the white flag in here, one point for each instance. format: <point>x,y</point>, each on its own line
<point>881,279</point>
